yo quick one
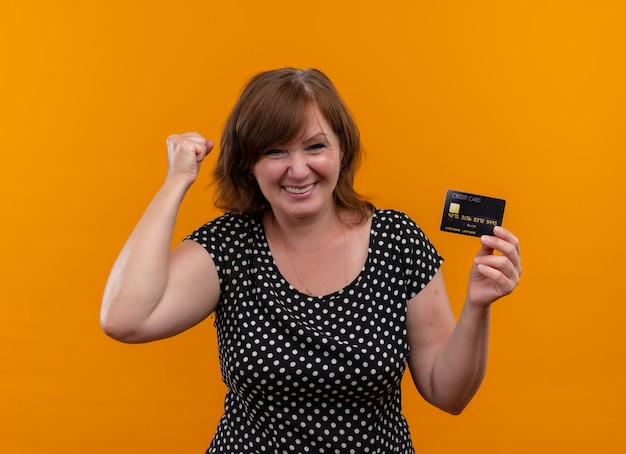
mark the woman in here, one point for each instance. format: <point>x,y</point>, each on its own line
<point>320,299</point>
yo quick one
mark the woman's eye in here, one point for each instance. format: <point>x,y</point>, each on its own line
<point>316,147</point>
<point>273,152</point>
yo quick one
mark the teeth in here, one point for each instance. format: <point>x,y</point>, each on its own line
<point>298,190</point>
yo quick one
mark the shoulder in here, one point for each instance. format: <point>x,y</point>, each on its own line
<point>225,228</point>
<point>400,228</point>
<point>228,222</point>
<point>390,215</point>
<point>394,220</point>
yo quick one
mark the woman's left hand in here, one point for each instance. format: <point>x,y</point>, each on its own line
<point>494,275</point>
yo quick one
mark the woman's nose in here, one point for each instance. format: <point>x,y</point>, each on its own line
<point>298,165</point>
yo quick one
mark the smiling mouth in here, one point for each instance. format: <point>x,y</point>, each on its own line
<point>293,190</point>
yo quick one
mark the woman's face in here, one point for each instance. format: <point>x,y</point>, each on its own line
<point>298,178</point>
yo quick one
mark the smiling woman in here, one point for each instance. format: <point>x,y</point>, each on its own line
<point>275,109</point>
<point>298,179</point>
<point>320,300</point>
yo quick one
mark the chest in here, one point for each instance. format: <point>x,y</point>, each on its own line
<point>323,266</point>
<point>274,340</point>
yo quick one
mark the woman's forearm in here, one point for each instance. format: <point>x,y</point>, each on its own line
<point>461,365</point>
<point>139,276</point>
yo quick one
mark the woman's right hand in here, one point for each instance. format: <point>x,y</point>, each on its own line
<point>185,153</point>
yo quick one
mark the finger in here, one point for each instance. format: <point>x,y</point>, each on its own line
<point>183,140</point>
<point>509,251</point>
<point>506,235</point>
<point>504,246</point>
<point>207,146</point>
<point>503,283</point>
<point>485,249</point>
<point>191,142</point>
<point>500,263</point>
<point>201,150</point>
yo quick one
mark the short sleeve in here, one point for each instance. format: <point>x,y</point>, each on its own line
<point>420,259</point>
<point>211,237</point>
<point>227,239</point>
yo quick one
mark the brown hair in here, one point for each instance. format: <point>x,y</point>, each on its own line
<point>271,110</point>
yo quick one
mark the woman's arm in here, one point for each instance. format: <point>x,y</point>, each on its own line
<point>152,293</point>
<point>448,359</point>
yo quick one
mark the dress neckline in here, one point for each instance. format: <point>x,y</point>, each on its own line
<point>354,282</point>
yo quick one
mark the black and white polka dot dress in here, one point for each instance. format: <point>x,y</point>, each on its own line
<point>312,374</point>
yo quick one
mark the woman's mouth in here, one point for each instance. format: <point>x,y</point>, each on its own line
<point>302,190</point>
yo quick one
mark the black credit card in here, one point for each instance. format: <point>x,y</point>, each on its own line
<point>471,214</point>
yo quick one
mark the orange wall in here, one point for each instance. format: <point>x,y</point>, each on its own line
<point>519,100</point>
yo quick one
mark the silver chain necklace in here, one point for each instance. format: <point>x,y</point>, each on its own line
<point>295,269</point>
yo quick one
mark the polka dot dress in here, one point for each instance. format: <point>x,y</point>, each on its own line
<point>307,373</point>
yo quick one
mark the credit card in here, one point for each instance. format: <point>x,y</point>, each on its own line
<point>471,214</point>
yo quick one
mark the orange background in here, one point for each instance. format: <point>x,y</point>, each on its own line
<point>519,100</point>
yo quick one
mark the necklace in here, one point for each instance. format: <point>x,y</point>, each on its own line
<point>295,269</point>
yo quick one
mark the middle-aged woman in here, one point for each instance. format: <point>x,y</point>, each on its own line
<point>320,299</point>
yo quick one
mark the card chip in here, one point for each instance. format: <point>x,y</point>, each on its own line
<point>454,208</point>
